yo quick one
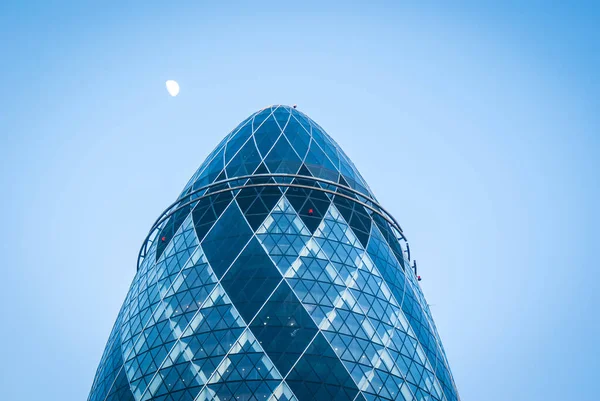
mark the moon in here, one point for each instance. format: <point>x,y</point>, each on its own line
<point>172,87</point>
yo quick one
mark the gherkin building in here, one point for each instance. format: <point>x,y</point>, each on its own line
<point>275,275</point>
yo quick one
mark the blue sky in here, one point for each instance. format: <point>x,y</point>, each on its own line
<point>477,126</point>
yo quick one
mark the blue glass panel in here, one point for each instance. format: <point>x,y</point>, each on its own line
<point>319,164</point>
<point>303,120</point>
<point>260,117</point>
<point>257,202</point>
<point>111,366</point>
<point>222,244</point>
<point>298,137</point>
<point>311,205</point>
<point>251,279</point>
<point>355,214</point>
<point>266,135</point>
<point>284,235</point>
<point>326,144</point>
<point>246,373</point>
<point>320,375</point>
<point>236,142</point>
<point>283,328</point>
<point>282,116</point>
<point>120,390</point>
<point>282,158</point>
<point>387,264</point>
<point>352,176</point>
<point>245,161</point>
<point>212,171</point>
<point>166,234</point>
<point>196,354</point>
<point>209,209</point>
<point>390,238</point>
<point>219,150</point>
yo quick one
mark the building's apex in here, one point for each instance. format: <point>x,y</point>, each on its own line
<point>278,139</point>
<point>274,106</point>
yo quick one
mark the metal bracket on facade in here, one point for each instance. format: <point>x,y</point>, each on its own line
<point>415,269</point>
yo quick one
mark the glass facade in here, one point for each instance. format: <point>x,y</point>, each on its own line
<point>275,275</point>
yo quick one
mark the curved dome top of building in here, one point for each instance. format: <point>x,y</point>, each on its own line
<point>278,140</point>
<point>275,276</point>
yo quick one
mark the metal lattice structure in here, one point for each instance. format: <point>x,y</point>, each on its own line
<point>275,275</point>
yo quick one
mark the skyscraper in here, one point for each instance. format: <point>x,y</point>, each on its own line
<point>275,275</point>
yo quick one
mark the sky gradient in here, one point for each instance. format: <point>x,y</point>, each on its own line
<point>477,127</point>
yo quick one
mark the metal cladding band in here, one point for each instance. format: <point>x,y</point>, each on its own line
<point>169,211</point>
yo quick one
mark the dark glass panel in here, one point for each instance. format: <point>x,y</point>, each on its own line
<point>326,145</point>
<point>168,231</point>
<point>266,135</point>
<point>355,214</point>
<point>283,328</point>
<point>260,117</point>
<point>120,390</point>
<point>236,142</point>
<point>223,244</point>
<point>282,116</point>
<point>302,119</point>
<point>110,365</point>
<point>311,205</point>
<point>351,174</point>
<point>319,165</point>
<point>298,137</point>
<point>320,375</point>
<point>211,173</point>
<point>390,238</point>
<point>257,202</point>
<point>208,209</point>
<point>219,149</point>
<point>245,162</point>
<point>282,158</point>
<point>250,280</point>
